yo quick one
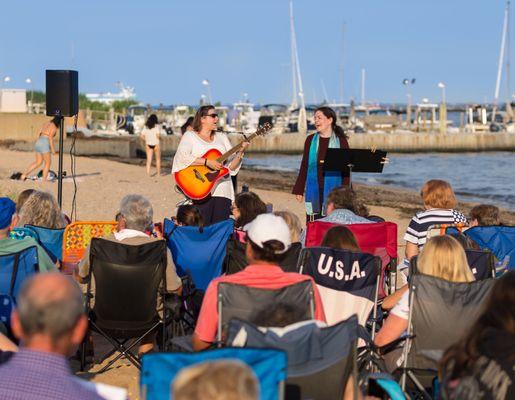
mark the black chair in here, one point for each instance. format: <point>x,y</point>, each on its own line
<point>128,281</point>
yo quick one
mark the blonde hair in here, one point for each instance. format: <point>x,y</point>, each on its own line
<point>438,194</point>
<point>293,223</point>
<point>444,257</point>
<point>217,380</point>
<point>41,209</point>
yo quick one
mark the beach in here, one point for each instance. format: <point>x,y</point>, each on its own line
<point>101,183</point>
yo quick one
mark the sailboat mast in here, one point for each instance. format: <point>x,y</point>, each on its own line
<point>293,59</point>
<point>501,60</point>
<point>342,65</point>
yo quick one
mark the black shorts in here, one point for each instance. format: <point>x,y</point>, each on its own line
<point>151,146</point>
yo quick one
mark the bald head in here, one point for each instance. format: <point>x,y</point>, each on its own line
<point>49,304</point>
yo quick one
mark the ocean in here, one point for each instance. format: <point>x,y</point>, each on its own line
<point>480,177</point>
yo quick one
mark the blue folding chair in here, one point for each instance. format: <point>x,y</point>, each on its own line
<point>51,240</point>
<point>160,369</point>
<point>15,268</point>
<point>500,240</point>
<point>198,252</point>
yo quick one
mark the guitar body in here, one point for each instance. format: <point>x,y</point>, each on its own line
<point>197,181</point>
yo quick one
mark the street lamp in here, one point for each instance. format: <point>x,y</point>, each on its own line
<point>441,85</point>
<point>205,82</point>
<point>443,110</point>
<point>28,81</point>
<point>7,79</point>
<point>408,82</point>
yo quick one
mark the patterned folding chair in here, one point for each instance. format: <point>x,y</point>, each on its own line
<point>22,233</point>
<point>77,236</point>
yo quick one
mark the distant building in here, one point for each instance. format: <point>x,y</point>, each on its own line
<point>13,100</point>
<point>125,93</point>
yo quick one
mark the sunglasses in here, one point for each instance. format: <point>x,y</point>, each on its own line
<point>212,115</point>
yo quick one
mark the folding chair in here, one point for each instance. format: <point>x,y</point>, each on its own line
<point>441,312</point>
<point>198,252</point>
<point>128,280</point>
<point>159,370</point>
<point>239,301</point>
<point>320,359</point>
<point>20,233</point>
<point>15,268</point>
<point>500,240</point>
<point>76,238</point>
<point>51,240</point>
<point>379,239</point>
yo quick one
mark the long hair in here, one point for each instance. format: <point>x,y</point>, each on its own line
<point>151,121</point>
<point>41,209</point>
<point>329,113</point>
<point>188,123</point>
<point>340,237</point>
<point>56,121</point>
<point>189,215</point>
<point>197,119</point>
<point>250,206</point>
<point>499,314</point>
<point>444,257</point>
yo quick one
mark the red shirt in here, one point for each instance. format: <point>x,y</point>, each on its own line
<point>262,276</point>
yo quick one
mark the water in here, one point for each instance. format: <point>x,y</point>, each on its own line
<point>479,177</point>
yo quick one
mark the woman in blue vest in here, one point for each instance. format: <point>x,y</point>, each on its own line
<point>313,183</point>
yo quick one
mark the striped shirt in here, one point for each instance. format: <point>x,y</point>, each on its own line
<point>423,220</point>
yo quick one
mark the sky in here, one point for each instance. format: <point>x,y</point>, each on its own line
<point>165,48</point>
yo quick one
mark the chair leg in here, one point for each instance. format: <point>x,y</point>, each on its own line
<point>83,353</point>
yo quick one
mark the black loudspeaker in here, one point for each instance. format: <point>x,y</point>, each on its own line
<point>62,93</point>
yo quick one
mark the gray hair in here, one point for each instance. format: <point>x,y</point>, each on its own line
<point>137,211</point>
<point>46,310</point>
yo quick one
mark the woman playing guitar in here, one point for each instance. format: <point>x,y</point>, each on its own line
<point>192,151</point>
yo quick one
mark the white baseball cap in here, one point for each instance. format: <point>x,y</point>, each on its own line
<point>267,227</point>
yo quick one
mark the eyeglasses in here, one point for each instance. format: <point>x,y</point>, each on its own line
<point>212,115</point>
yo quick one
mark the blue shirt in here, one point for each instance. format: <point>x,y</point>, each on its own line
<point>37,375</point>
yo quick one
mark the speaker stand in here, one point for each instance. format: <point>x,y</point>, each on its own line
<point>60,172</point>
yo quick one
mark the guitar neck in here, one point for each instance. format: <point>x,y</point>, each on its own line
<point>235,149</point>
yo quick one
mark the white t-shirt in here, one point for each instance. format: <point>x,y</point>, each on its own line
<point>401,309</point>
<point>151,136</point>
<point>192,146</point>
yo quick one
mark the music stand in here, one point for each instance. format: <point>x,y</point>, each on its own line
<point>355,160</point>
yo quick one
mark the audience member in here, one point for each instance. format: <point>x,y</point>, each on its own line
<point>41,209</point>
<point>342,238</point>
<point>189,215</point>
<point>484,215</point>
<point>246,207</point>
<point>22,198</point>
<point>439,203</point>
<point>134,223</point>
<point>8,220</point>
<point>187,126</point>
<point>268,238</point>
<point>216,380</point>
<point>442,257</point>
<point>278,316</point>
<point>50,323</point>
<point>7,347</point>
<point>482,364</point>
<point>289,263</point>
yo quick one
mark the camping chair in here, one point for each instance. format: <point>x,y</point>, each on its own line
<point>239,301</point>
<point>51,240</point>
<point>159,370</point>
<point>128,280</point>
<point>379,239</point>
<point>500,240</point>
<point>20,233</point>
<point>198,252</point>
<point>441,312</point>
<point>76,238</point>
<point>15,268</point>
<point>320,359</point>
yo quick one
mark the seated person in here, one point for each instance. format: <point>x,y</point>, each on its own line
<point>216,380</point>
<point>22,198</point>
<point>484,215</point>
<point>189,215</point>
<point>340,238</point>
<point>268,239</point>
<point>41,209</point>
<point>134,221</point>
<point>8,220</point>
<point>481,364</point>
<point>246,207</point>
<point>289,263</point>
<point>442,257</point>
<point>343,208</point>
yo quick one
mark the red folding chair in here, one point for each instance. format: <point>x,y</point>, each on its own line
<point>379,239</point>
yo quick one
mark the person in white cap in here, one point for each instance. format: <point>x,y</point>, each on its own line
<point>268,239</point>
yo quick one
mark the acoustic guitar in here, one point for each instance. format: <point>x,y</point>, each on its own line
<point>197,181</point>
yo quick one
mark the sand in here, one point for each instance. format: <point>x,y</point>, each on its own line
<point>101,183</point>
